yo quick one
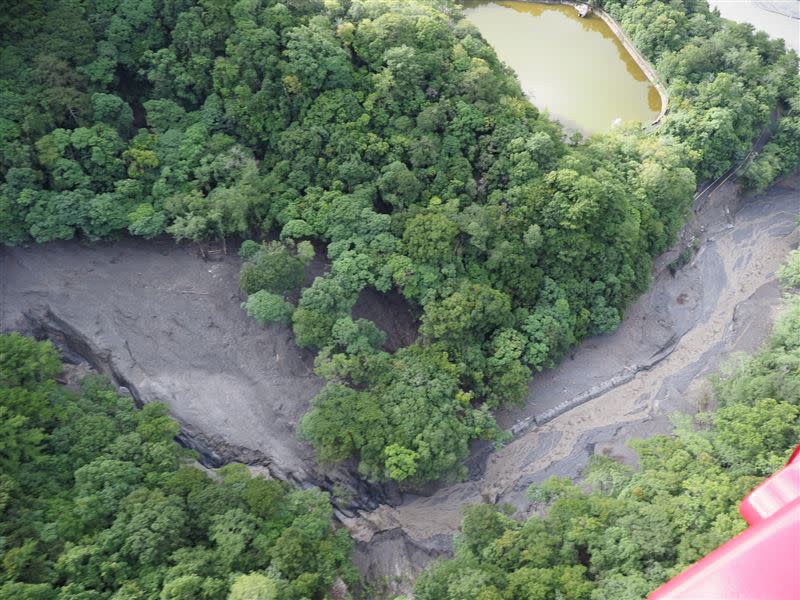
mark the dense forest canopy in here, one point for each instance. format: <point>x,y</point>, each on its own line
<point>97,501</point>
<point>620,534</point>
<point>387,132</point>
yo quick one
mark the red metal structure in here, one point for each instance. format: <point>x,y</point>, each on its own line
<point>762,562</point>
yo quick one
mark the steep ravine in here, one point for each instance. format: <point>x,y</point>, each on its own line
<point>165,323</point>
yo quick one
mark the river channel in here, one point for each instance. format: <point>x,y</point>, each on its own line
<point>574,68</point>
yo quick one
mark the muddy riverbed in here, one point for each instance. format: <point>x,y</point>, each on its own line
<point>165,322</point>
<point>654,365</point>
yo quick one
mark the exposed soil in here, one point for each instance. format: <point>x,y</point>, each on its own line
<point>392,313</point>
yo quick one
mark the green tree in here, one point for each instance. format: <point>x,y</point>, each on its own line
<point>430,237</point>
<point>473,310</point>
<point>254,587</point>
<point>267,308</point>
<point>401,463</point>
<point>26,365</point>
<point>273,269</point>
<point>19,442</point>
<point>97,499</point>
<point>114,111</point>
<point>789,273</point>
<point>146,221</point>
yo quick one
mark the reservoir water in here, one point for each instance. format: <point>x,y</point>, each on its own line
<point>574,68</point>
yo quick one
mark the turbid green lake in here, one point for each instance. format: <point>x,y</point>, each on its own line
<point>574,68</point>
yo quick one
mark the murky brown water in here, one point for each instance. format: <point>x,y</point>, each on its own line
<point>574,68</point>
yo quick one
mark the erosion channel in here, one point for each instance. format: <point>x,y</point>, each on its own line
<point>165,322</point>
